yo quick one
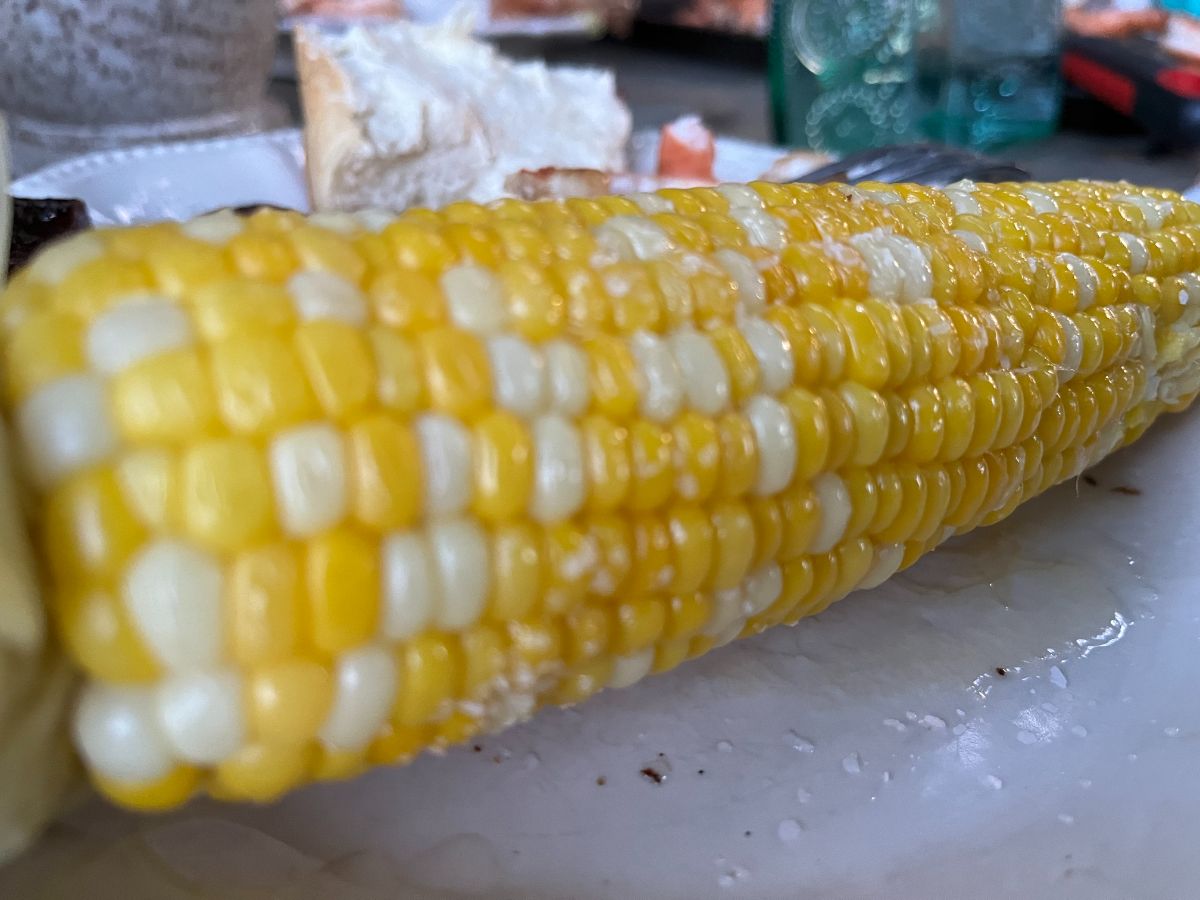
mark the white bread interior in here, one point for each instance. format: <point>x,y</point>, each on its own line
<point>402,115</point>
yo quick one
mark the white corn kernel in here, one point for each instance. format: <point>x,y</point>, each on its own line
<point>567,375</point>
<point>117,734</point>
<point>633,238</point>
<point>216,228</point>
<point>65,426</point>
<point>173,593</point>
<point>885,564</point>
<point>308,470</point>
<point>409,585</point>
<point>1085,278</point>
<point>133,331</point>
<point>972,240</point>
<point>475,299</point>
<point>1069,367</point>
<point>459,550</point>
<point>374,219</point>
<point>915,268</point>
<point>558,486</point>
<point>772,351</point>
<point>833,499</point>
<point>343,223</point>
<point>366,680</point>
<point>1041,202</point>
<point>323,295</point>
<point>652,203</point>
<point>628,670</point>
<point>964,203</point>
<point>726,612</point>
<point>752,288</point>
<point>661,380</point>
<point>518,375</point>
<point>740,196</point>
<point>705,379</point>
<point>885,276</point>
<point>1154,211</point>
<point>775,435</point>
<point>762,229</point>
<point>445,447</point>
<point>52,265</point>
<point>1139,254</point>
<point>201,715</point>
<point>761,589</point>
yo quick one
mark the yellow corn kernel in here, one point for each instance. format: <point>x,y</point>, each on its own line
<point>686,615</point>
<point>811,419</point>
<point>696,448</point>
<point>612,376</point>
<point>739,455</point>
<point>803,343</point>
<point>854,559</point>
<point>668,655</point>
<point>902,488</point>
<point>263,605</point>
<point>653,476</point>
<point>674,289</point>
<point>502,459</point>
<point>929,424</point>
<point>867,362</point>
<point>431,667</point>
<point>399,386</point>
<point>1012,407</point>
<point>100,638</point>
<point>411,301</point>
<point>165,398</point>
<point>570,560</point>
<point>801,519</point>
<point>384,473</point>
<point>937,499</point>
<point>739,361</point>
<point>287,701</point>
<point>415,246</point>
<point>716,298</point>
<point>223,309</point>
<point>653,568</point>
<point>321,250</point>
<point>820,592</point>
<point>474,243</point>
<point>342,580</point>
<point>589,630</point>
<point>870,413</point>
<point>173,789</point>
<point>224,497</point>
<point>259,255</point>
<point>733,527</point>
<point>989,413</point>
<point>396,744</point>
<point>456,371</point>
<point>864,501</point>
<point>538,310</point>
<point>891,326</point>
<point>337,360</point>
<point>607,462</point>
<point>90,531</point>
<point>516,557</point>
<point>816,275</point>
<point>692,541</point>
<point>259,383</point>
<point>337,765</point>
<point>587,307</point>
<point>841,429</point>
<point>639,623</point>
<point>767,516</point>
<point>179,266</point>
<point>98,284</point>
<point>261,772</point>
<point>48,346</point>
<point>612,541</point>
<point>524,242</point>
<point>484,660</point>
<point>797,583</point>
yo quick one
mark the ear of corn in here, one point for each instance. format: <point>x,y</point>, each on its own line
<point>316,494</point>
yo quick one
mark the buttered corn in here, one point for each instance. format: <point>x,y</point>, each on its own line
<point>316,494</point>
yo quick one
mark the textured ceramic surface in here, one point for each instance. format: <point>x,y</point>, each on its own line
<point>79,74</point>
<point>1016,716</point>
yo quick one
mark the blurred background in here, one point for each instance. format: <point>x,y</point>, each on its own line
<point>1068,88</point>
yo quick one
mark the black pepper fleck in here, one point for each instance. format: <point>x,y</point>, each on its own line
<point>1088,479</point>
<point>1127,490</point>
<point>477,749</point>
<point>602,781</point>
<point>699,771</point>
<point>747,834</point>
<point>1001,671</point>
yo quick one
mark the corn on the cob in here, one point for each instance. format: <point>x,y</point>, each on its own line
<point>316,494</point>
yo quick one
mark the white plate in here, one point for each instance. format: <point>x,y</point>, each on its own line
<point>874,751</point>
<point>177,181</point>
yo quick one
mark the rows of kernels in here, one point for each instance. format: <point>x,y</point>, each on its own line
<point>747,401</point>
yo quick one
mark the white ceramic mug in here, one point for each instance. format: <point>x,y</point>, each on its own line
<point>78,75</point>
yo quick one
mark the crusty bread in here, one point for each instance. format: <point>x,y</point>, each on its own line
<point>402,115</point>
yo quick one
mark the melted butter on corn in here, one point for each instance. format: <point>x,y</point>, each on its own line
<point>320,494</point>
